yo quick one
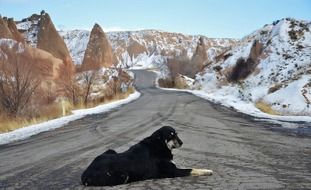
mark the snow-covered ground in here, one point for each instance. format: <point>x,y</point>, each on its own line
<point>28,131</point>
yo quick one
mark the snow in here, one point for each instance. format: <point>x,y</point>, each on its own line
<point>76,41</point>
<point>285,62</point>
<point>142,61</point>
<point>289,97</point>
<point>8,42</point>
<point>11,44</point>
<point>156,42</point>
<point>31,29</point>
<point>28,131</point>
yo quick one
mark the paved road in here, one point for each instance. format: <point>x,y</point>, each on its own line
<point>244,154</point>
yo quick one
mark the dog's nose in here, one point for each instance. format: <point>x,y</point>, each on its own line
<point>179,141</point>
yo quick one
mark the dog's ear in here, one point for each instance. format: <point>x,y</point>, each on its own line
<point>157,136</point>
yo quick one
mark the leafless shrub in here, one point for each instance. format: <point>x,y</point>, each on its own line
<point>182,65</point>
<point>87,78</point>
<point>166,83</point>
<point>18,83</point>
<point>72,90</point>
<point>242,69</point>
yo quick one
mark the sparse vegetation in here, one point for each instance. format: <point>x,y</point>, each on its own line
<point>166,83</point>
<point>27,99</point>
<point>241,70</point>
<point>266,108</point>
<point>18,83</point>
<point>180,82</point>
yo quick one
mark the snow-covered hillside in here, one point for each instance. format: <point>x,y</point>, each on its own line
<point>270,67</point>
<point>145,48</point>
<point>132,49</point>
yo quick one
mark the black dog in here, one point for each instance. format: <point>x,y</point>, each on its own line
<point>149,159</point>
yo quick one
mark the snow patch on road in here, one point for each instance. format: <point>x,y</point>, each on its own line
<point>28,131</point>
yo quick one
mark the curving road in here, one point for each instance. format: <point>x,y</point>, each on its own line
<point>244,153</point>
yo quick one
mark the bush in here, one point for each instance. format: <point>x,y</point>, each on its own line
<point>166,83</point>
<point>241,70</point>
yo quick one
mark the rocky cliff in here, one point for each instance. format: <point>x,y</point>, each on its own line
<point>98,52</point>
<point>146,48</point>
<point>49,40</point>
<point>43,65</point>
<point>4,29</point>
<point>16,35</point>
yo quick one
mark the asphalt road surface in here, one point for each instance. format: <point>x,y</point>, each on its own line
<point>244,153</point>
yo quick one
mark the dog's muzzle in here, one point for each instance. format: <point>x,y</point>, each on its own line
<point>174,143</point>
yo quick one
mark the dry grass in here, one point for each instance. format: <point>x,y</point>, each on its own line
<point>118,96</point>
<point>266,108</point>
<point>105,99</point>
<point>48,112</point>
<point>166,83</point>
<point>180,82</point>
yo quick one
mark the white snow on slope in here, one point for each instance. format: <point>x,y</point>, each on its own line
<point>28,131</point>
<point>76,41</point>
<point>158,45</point>
<point>31,34</point>
<point>285,63</point>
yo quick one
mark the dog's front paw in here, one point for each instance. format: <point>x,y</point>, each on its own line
<point>199,172</point>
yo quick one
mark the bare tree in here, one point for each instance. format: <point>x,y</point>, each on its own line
<point>17,84</point>
<point>116,82</point>
<point>71,89</point>
<point>113,85</point>
<point>88,79</point>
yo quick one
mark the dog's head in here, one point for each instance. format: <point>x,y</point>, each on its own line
<point>168,136</point>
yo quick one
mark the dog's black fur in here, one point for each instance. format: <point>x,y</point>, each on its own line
<point>149,159</point>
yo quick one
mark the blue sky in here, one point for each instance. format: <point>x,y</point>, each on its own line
<point>213,18</point>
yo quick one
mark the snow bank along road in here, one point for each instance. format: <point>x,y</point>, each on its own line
<point>244,153</point>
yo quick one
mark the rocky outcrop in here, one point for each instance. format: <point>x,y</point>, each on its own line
<point>16,35</point>
<point>4,29</point>
<point>98,53</point>
<point>9,30</point>
<point>50,41</point>
<point>43,65</point>
<point>135,48</point>
<point>256,51</point>
<point>199,57</point>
